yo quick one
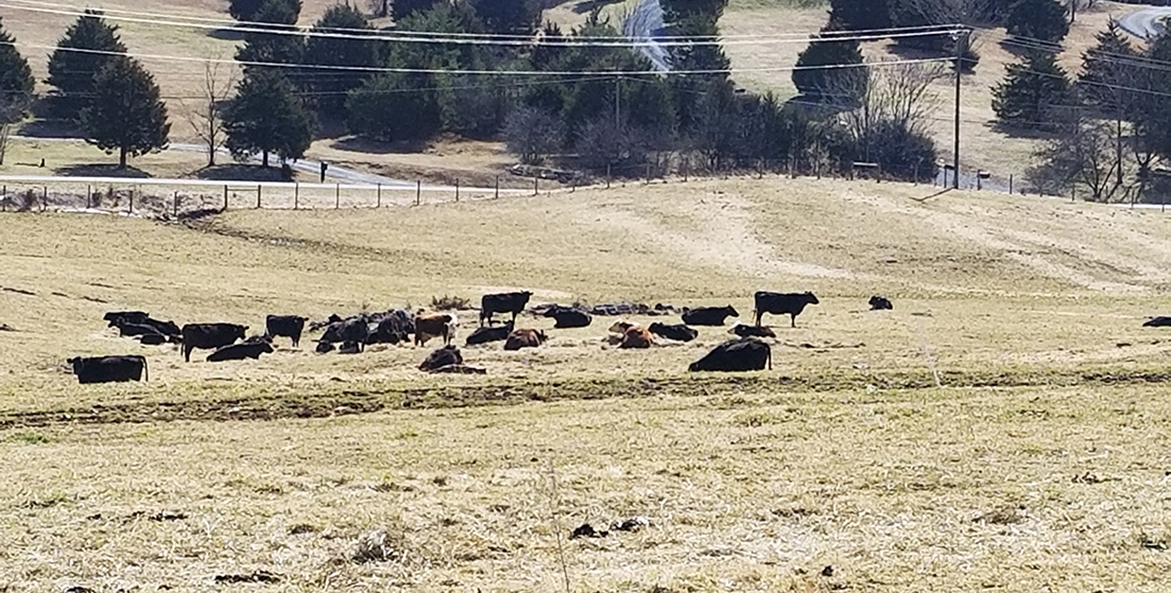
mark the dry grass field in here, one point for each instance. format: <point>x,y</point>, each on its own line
<point>1002,428</point>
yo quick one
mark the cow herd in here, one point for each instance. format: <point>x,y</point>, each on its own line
<point>228,341</point>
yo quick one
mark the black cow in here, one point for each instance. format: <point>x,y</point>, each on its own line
<point>250,349</point>
<point>443,357</point>
<point>138,329</point>
<point>507,302</point>
<point>739,355</point>
<point>1158,322</point>
<point>777,303</point>
<point>209,336</point>
<point>752,331</point>
<point>350,347</point>
<point>121,319</point>
<point>106,369</point>
<point>117,318</point>
<point>483,335</point>
<point>323,347</point>
<point>152,339</point>
<point>879,303</point>
<point>393,327</point>
<point>285,326</point>
<point>568,317</point>
<point>354,329</point>
<point>709,315</point>
<point>678,332</point>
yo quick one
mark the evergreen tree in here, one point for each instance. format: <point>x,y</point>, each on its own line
<point>244,10</point>
<point>1150,112</point>
<point>517,17</point>
<point>405,8</point>
<point>267,117</point>
<point>394,107</point>
<point>1031,91</point>
<point>73,73</point>
<point>836,84</point>
<point>126,113</point>
<point>281,48</point>
<point>860,15</point>
<point>329,87</point>
<point>1038,19</point>
<point>16,78</point>
<point>1105,67</point>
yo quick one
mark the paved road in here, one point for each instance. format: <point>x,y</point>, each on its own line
<point>645,22</point>
<point>1145,23</point>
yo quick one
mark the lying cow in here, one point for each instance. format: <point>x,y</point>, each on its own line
<point>484,335</point>
<point>739,355</point>
<point>752,331</point>
<point>524,338</point>
<point>1158,322</point>
<point>636,337</point>
<point>507,302</point>
<point>106,369</point>
<point>776,303</point>
<point>709,315</point>
<point>568,317</point>
<point>250,349</point>
<point>350,347</point>
<point>130,330</point>
<point>138,320</point>
<point>285,326</point>
<point>880,303</point>
<point>435,326</point>
<point>210,336</point>
<point>678,332</point>
<point>116,318</point>
<point>446,356</point>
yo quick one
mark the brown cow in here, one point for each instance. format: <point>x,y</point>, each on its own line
<point>637,337</point>
<point>434,326</point>
<point>524,338</point>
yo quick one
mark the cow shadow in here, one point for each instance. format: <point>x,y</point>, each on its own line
<point>102,170</point>
<point>368,146</point>
<point>239,172</point>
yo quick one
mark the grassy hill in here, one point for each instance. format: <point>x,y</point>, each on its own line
<point>1038,463</point>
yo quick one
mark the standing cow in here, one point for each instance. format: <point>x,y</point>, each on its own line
<point>507,302</point>
<point>105,369</point>
<point>285,326</point>
<point>777,303</point>
<point>209,336</point>
<point>436,325</point>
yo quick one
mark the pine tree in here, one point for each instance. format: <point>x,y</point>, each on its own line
<point>280,48</point>
<point>244,10</point>
<point>1107,66</point>
<point>517,17</point>
<point>1031,91</point>
<point>836,83</point>
<point>394,107</point>
<point>405,8</point>
<point>860,15</point>
<point>16,78</point>
<point>126,113</point>
<point>329,87</point>
<point>73,73</point>
<point>1038,19</point>
<point>267,117</point>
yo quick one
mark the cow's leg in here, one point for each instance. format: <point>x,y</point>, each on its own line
<point>792,320</point>
<point>759,314</point>
<point>187,352</point>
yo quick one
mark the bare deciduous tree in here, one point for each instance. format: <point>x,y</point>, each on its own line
<point>1084,153</point>
<point>207,120</point>
<point>11,112</point>
<point>901,95</point>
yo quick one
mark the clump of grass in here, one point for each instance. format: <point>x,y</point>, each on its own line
<point>382,545</point>
<point>450,303</point>
<point>30,437</point>
<point>1006,515</point>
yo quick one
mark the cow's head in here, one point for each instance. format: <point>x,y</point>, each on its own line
<point>731,311</point>
<point>76,363</point>
<point>811,298</point>
<point>239,331</point>
<point>621,326</point>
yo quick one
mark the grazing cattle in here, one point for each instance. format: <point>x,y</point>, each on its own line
<point>483,335</point>
<point>777,303</point>
<point>568,317</point>
<point>678,332</point>
<point>250,349</point>
<point>524,338</point>
<point>392,328</point>
<point>354,329</point>
<point>1158,322</point>
<point>637,337</point>
<point>209,336</point>
<point>285,326</point>
<point>752,331</point>
<point>434,326</point>
<point>709,315</point>
<point>507,302</point>
<point>106,369</point>
<point>879,303</point>
<point>350,347</point>
<point>739,355</point>
<point>323,347</point>
<point>445,356</point>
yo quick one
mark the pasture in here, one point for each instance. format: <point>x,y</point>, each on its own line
<point>1000,429</point>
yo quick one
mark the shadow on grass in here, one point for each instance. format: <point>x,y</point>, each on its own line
<point>240,172</point>
<point>365,145</point>
<point>102,170</point>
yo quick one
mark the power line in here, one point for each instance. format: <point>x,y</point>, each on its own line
<point>375,69</point>
<point>57,8</point>
<point>429,38</point>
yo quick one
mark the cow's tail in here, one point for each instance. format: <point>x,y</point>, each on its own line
<point>145,370</point>
<point>770,359</point>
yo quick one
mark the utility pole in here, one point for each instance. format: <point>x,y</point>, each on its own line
<point>961,47</point>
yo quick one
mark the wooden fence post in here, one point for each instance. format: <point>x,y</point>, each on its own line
<point>89,192</point>
<point>258,196</point>
<point>418,191</point>
<point>131,208</point>
<point>337,196</point>
<point>497,187</point>
<point>1010,184</point>
<point>296,194</point>
<point>607,175</point>
<point>45,198</point>
<point>225,197</point>
<point>536,188</point>
<point>378,204</point>
<point>175,208</point>
<point>457,190</point>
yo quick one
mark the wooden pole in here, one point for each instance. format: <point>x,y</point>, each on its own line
<point>45,198</point>
<point>457,190</point>
<point>296,195</point>
<point>337,196</point>
<point>497,187</point>
<point>258,196</point>
<point>536,189</point>
<point>225,197</point>
<point>418,191</point>
<point>175,208</point>
<point>89,192</point>
<point>378,204</point>
<point>131,210</point>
